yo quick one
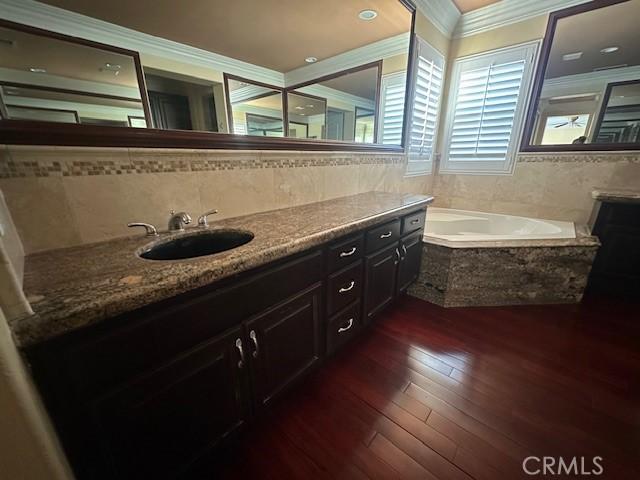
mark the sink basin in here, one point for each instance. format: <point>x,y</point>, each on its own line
<point>197,244</point>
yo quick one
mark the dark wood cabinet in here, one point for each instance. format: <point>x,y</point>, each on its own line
<point>154,392</point>
<point>380,279</point>
<point>156,426</point>
<point>410,255</point>
<point>284,343</point>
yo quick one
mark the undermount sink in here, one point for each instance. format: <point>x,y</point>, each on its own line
<point>197,244</point>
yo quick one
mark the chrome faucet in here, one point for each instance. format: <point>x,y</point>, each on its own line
<point>177,221</point>
<point>150,229</point>
<point>202,219</point>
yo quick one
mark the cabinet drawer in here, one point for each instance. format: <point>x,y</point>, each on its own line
<point>383,235</point>
<point>345,252</point>
<point>414,221</point>
<point>344,287</point>
<point>343,326</point>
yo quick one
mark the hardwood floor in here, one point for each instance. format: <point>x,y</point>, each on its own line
<point>463,393</point>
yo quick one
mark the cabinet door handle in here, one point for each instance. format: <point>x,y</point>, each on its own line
<point>254,339</point>
<point>397,256</point>
<point>404,250</point>
<point>349,253</point>
<point>413,222</point>
<point>349,325</point>
<point>240,352</point>
<point>386,235</point>
<point>346,289</point>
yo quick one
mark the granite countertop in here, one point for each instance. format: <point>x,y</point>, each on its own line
<point>74,287</point>
<point>617,195</point>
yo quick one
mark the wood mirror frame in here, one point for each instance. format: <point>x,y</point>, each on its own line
<point>27,132</point>
<point>530,119</point>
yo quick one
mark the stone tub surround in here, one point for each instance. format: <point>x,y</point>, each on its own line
<point>553,186</point>
<point>74,287</point>
<point>620,195</point>
<point>513,272</point>
<point>82,195</point>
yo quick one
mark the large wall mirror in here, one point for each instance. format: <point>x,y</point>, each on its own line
<point>320,75</point>
<point>587,94</point>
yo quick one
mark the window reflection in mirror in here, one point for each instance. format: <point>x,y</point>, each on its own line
<point>48,79</point>
<point>620,118</point>
<point>581,100</point>
<point>254,109</point>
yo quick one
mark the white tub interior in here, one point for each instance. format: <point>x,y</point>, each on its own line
<point>463,225</point>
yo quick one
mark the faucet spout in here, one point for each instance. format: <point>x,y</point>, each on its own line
<point>177,221</point>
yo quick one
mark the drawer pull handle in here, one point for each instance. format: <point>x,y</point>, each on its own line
<point>240,352</point>
<point>413,222</point>
<point>349,325</point>
<point>346,289</point>
<point>386,235</point>
<point>254,339</point>
<point>349,253</point>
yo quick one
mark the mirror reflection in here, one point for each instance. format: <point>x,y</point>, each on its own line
<point>589,91</point>
<point>254,109</point>
<point>299,81</point>
<point>47,79</point>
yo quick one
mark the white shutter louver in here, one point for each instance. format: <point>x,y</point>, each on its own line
<point>486,110</point>
<point>392,88</point>
<point>427,91</point>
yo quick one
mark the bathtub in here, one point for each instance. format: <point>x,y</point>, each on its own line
<point>477,259</point>
<point>467,226</point>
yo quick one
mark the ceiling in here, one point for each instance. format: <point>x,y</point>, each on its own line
<point>590,32</point>
<point>467,5</point>
<point>64,59</point>
<point>277,34</point>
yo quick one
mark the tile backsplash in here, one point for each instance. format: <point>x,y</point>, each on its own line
<point>62,196</point>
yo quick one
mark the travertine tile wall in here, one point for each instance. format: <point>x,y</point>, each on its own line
<point>61,196</point>
<point>553,186</point>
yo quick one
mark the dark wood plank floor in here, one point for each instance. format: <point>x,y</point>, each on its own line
<point>463,393</point>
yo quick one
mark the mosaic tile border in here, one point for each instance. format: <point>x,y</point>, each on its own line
<point>628,157</point>
<point>25,163</point>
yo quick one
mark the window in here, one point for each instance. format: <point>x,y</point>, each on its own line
<point>392,88</point>
<point>427,90</point>
<point>486,110</point>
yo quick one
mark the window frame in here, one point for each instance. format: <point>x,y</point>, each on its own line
<point>529,53</point>
<point>433,54</point>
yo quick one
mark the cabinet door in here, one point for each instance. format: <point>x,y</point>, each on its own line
<point>410,255</point>
<point>380,280</point>
<point>284,343</point>
<point>156,426</point>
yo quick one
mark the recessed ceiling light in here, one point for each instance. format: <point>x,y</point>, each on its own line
<point>310,106</point>
<point>299,107</point>
<point>311,59</point>
<point>367,15</point>
<point>38,70</point>
<point>609,50</point>
<point>571,56</point>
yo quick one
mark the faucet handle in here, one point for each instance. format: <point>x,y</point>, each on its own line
<point>202,219</point>
<point>150,229</point>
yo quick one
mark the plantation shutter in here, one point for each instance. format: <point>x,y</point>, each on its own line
<point>427,91</point>
<point>392,88</point>
<point>487,111</point>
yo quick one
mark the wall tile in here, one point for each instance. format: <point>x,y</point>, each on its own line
<point>295,186</point>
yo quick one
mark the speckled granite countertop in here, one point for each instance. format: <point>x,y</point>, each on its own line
<point>618,195</point>
<point>74,287</point>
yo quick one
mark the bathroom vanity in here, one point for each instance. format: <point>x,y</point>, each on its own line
<point>153,390</point>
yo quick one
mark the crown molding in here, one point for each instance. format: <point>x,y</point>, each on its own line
<point>506,12</point>
<point>337,95</point>
<point>442,13</point>
<point>379,50</point>
<point>590,82</point>
<point>36,14</point>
